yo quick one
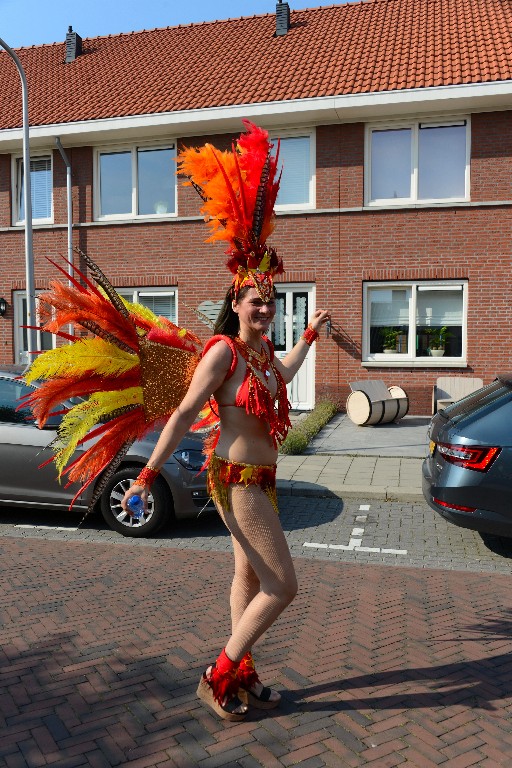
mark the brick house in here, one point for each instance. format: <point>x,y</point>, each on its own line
<point>396,207</point>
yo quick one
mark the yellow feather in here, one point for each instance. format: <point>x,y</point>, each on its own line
<point>82,417</point>
<point>144,312</point>
<point>265,262</point>
<point>95,355</point>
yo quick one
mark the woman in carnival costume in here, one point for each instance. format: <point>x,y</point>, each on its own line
<point>238,367</point>
<point>139,369</point>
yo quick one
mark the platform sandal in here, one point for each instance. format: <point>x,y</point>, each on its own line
<point>248,679</point>
<point>219,687</point>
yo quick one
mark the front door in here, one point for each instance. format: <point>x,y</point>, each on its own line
<point>294,305</point>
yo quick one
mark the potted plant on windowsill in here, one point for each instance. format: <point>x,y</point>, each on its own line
<point>389,340</point>
<point>437,340</point>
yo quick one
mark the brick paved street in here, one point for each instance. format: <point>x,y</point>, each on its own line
<point>103,644</point>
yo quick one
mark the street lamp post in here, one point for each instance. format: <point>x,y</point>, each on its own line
<point>27,197</point>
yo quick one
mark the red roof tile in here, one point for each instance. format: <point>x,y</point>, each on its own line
<point>359,47</point>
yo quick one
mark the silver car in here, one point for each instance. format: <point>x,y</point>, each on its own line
<point>178,492</point>
<point>467,476</point>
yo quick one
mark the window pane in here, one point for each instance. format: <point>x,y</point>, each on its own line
<point>300,315</point>
<point>439,322</point>
<point>389,319</point>
<point>442,162</point>
<point>278,328</point>
<point>115,183</point>
<point>294,156</point>
<point>156,181</point>
<point>162,304</point>
<point>391,164</point>
<point>40,188</point>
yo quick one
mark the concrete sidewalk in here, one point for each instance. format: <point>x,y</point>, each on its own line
<point>345,460</point>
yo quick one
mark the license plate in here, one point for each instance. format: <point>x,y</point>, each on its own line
<point>431,447</point>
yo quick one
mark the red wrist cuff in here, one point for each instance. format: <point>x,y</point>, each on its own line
<point>310,335</point>
<point>147,476</point>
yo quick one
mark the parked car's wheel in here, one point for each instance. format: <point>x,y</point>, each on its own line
<point>159,512</point>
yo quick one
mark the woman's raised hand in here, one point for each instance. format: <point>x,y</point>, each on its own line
<point>319,318</point>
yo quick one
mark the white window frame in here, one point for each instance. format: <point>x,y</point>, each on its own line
<point>20,354</point>
<point>414,125</point>
<point>309,133</point>
<point>133,294</point>
<point>16,165</point>
<point>409,360</point>
<point>131,148</point>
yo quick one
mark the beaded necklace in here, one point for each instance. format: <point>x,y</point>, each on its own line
<point>258,361</point>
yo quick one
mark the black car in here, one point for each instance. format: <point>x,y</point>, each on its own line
<point>178,492</point>
<point>467,476</point>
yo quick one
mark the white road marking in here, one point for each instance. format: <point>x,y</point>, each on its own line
<point>48,527</point>
<point>356,540</point>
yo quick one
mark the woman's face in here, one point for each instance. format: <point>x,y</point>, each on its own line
<point>253,313</point>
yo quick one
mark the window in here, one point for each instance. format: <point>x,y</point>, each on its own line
<point>44,340</point>
<point>419,162</point>
<point>136,181</point>
<point>296,156</point>
<point>162,302</point>
<point>422,323</point>
<point>291,304</point>
<point>40,188</point>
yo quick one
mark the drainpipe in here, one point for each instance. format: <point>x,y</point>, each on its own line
<point>27,197</point>
<point>69,205</point>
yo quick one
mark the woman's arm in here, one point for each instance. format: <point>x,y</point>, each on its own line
<point>290,364</point>
<point>208,377</point>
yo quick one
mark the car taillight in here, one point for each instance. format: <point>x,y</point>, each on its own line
<point>458,507</point>
<point>477,457</point>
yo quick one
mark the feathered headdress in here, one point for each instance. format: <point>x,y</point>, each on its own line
<point>133,372</point>
<point>239,190</point>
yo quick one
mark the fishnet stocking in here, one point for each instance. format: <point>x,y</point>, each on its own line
<point>265,581</point>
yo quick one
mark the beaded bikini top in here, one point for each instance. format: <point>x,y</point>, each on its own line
<point>253,394</point>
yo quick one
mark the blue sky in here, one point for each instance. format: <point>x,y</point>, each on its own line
<point>33,22</point>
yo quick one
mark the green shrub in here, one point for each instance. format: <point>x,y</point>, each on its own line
<point>304,431</point>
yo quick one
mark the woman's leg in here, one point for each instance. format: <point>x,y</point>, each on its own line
<point>257,533</point>
<point>257,530</point>
<point>245,586</point>
<point>244,589</point>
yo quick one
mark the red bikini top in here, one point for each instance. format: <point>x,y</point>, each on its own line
<point>253,394</point>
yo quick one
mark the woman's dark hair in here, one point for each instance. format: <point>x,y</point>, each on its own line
<point>227,321</point>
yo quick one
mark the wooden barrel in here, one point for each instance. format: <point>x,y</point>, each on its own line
<point>363,412</point>
<point>401,395</point>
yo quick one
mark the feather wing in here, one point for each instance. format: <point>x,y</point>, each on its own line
<point>130,351</point>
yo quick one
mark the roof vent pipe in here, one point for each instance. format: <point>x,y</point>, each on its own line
<point>282,18</point>
<point>73,45</point>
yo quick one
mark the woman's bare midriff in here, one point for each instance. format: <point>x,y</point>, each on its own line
<point>244,437</point>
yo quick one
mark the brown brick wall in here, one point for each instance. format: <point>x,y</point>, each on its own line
<point>340,165</point>
<point>336,251</point>
<point>491,156</point>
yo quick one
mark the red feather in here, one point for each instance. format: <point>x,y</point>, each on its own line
<point>54,391</point>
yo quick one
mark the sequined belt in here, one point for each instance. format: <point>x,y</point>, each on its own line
<point>222,473</point>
